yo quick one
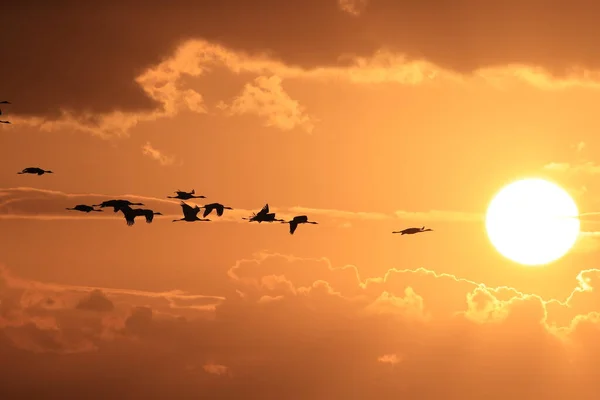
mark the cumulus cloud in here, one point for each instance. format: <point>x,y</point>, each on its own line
<point>266,98</point>
<point>155,154</point>
<point>321,325</point>
<point>114,89</point>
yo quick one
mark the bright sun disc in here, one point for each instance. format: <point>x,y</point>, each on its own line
<point>532,222</point>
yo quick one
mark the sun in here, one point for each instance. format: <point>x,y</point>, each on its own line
<point>532,222</point>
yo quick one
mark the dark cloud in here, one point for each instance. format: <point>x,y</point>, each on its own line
<point>84,56</point>
<point>42,203</point>
<point>96,301</point>
<point>280,338</point>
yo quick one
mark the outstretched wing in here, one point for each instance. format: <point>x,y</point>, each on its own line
<point>264,210</point>
<point>149,214</point>
<point>220,210</point>
<point>188,211</point>
<point>129,217</point>
<point>293,226</point>
<point>207,210</point>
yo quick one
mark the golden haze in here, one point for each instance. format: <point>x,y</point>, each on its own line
<point>367,116</point>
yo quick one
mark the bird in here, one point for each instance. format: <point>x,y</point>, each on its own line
<point>412,231</point>
<point>117,205</point>
<point>190,214</point>
<point>5,102</point>
<point>83,208</point>
<point>297,220</point>
<point>208,208</point>
<point>35,170</point>
<point>130,214</point>
<point>185,195</point>
<point>263,216</point>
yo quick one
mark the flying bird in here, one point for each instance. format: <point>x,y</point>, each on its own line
<point>412,231</point>
<point>117,205</point>
<point>34,170</point>
<point>185,195</point>
<point>208,208</point>
<point>5,102</point>
<point>190,214</point>
<point>263,216</point>
<point>297,220</point>
<point>130,214</point>
<point>83,208</point>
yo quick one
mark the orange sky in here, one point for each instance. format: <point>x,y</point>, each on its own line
<point>367,116</point>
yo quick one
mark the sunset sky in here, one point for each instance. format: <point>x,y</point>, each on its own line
<point>368,116</point>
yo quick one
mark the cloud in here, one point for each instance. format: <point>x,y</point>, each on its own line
<point>320,325</point>
<point>432,215</point>
<point>155,154</point>
<point>95,301</point>
<point>42,204</point>
<point>113,89</point>
<point>266,98</point>
<point>353,7</point>
<point>585,168</point>
<point>440,216</point>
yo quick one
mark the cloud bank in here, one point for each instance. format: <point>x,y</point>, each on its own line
<point>300,328</point>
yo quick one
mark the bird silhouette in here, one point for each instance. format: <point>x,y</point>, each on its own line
<point>5,102</point>
<point>117,205</point>
<point>83,208</point>
<point>130,214</point>
<point>297,220</point>
<point>208,208</point>
<point>190,214</point>
<point>34,170</point>
<point>185,195</point>
<point>412,231</point>
<point>263,216</point>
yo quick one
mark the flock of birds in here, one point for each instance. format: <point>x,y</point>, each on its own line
<point>190,214</point>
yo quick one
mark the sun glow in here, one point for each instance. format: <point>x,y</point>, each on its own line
<point>532,222</point>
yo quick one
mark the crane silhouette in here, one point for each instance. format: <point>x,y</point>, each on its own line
<point>83,208</point>
<point>263,216</point>
<point>117,205</point>
<point>190,214</point>
<point>297,220</point>
<point>412,231</point>
<point>130,214</point>
<point>185,195</point>
<point>34,171</point>
<point>208,208</point>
